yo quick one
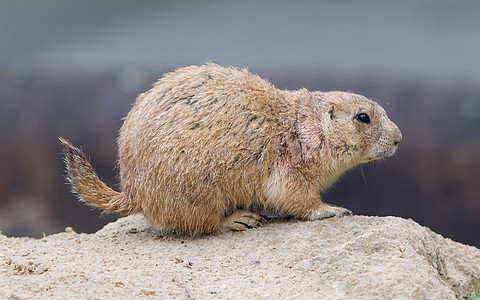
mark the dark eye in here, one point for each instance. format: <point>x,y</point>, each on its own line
<point>364,118</point>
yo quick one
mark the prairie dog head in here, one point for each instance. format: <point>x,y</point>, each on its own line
<point>352,128</point>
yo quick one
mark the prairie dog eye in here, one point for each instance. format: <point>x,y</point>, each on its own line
<point>364,118</point>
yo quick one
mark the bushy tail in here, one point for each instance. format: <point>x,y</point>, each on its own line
<point>86,184</point>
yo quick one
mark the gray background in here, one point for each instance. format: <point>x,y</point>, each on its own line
<point>425,39</point>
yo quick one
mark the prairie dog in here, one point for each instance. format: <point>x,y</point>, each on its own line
<point>207,144</point>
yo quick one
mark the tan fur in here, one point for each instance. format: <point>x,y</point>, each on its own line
<point>207,143</point>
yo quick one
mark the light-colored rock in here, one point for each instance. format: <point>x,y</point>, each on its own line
<point>340,258</point>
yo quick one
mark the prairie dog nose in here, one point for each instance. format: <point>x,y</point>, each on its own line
<point>396,135</point>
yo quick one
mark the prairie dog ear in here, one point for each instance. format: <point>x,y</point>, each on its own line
<point>331,112</point>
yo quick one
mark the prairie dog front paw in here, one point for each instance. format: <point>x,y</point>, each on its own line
<point>328,211</point>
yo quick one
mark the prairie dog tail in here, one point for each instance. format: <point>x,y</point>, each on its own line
<point>87,185</point>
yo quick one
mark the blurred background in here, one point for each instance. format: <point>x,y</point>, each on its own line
<point>74,68</point>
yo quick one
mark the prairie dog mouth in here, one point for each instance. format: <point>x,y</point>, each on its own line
<point>379,153</point>
<point>391,151</point>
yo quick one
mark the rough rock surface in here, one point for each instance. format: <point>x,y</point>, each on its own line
<point>340,258</point>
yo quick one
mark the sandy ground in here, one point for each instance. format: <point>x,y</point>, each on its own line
<point>351,257</point>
